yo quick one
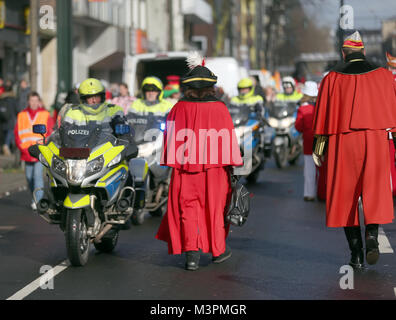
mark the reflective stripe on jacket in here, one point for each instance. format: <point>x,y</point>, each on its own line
<point>250,101</point>
<point>81,115</point>
<point>295,97</point>
<point>160,109</point>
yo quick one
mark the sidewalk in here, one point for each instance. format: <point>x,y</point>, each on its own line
<point>11,178</point>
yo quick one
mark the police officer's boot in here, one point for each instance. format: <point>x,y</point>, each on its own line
<point>372,251</point>
<point>355,242</point>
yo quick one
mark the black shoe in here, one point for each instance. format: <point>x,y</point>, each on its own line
<point>309,199</point>
<point>192,260</point>
<point>223,257</point>
<point>354,237</point>
<point>357,260</point>
<point>372,250</point>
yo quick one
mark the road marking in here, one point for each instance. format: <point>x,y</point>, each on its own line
<point>33,286</point>
<point>384,244</point>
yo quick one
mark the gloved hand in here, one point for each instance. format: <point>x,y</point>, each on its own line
<point>317,159</point>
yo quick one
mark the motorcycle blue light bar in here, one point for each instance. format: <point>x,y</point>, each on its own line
<point>121,129</point>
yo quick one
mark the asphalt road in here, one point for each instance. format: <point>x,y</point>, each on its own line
<point>283,252</point>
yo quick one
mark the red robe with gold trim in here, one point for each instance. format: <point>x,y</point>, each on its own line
<point>355,106</point>
<point>200,145</point>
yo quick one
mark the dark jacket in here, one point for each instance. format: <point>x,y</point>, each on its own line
<point>23,98</point>
<point>8,110</point>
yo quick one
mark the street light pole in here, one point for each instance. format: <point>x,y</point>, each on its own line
<point>64,45</point>
<point>34,6</point>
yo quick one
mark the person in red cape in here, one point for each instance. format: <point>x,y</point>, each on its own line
<point>355,110</point>
<point>201,146</point>
<point>391,64</point>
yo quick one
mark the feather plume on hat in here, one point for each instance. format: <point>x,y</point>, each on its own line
<point>194,59</point>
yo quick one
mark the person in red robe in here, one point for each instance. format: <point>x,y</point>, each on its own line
<point>391,64</point>
<point>201,146</point>
<point>355,112</point>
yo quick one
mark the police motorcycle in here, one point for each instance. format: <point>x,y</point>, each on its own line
<point>90,192</point>
<point>287,144</point>
<point>249,131</point>
<point>148,135</point>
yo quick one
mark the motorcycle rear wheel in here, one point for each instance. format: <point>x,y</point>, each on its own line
<point>137,217</point>
<point>77,239</point>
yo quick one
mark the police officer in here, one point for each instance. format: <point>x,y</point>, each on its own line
<point>247,98</point>
<point>152,100</point>
<point>289,91</point>
<point>94,111</point>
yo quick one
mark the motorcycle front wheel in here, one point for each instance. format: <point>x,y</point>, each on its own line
<point>77,239</point>
<point>280,155</point>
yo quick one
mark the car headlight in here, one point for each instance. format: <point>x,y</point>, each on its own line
<point>58,166</point>
<point>116,160</point>
<point>95,166</point>
<point>273,122</point>
<point>75,171</point>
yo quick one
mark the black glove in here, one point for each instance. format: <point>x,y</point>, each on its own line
<point>34,151</point>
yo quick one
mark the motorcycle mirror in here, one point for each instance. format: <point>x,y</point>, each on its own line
<point>40,128</point>
<point>121,129</point>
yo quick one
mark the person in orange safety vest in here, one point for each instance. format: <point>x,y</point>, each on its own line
<point>24,138</point>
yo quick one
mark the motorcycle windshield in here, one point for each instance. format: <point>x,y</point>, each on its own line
<point>239,115</point>
<point>87,136</point>
<point>141,124</point>
<point>280,109</point>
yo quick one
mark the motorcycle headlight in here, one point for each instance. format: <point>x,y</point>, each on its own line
<point>58,166</point>
<point>75,171</point>
<point>95,166</point>
<point>116,160</point>
<point>273,122</point>
<point>286,123</point>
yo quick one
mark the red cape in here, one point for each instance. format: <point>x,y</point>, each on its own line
<point>346,102</point>
<point>192,131</point>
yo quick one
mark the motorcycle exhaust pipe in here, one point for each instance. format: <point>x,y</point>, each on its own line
<point>102,233</point>
<point>43,206</point>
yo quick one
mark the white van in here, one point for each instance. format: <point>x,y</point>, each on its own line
<point>228,73</point>
<point>159,65</point>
